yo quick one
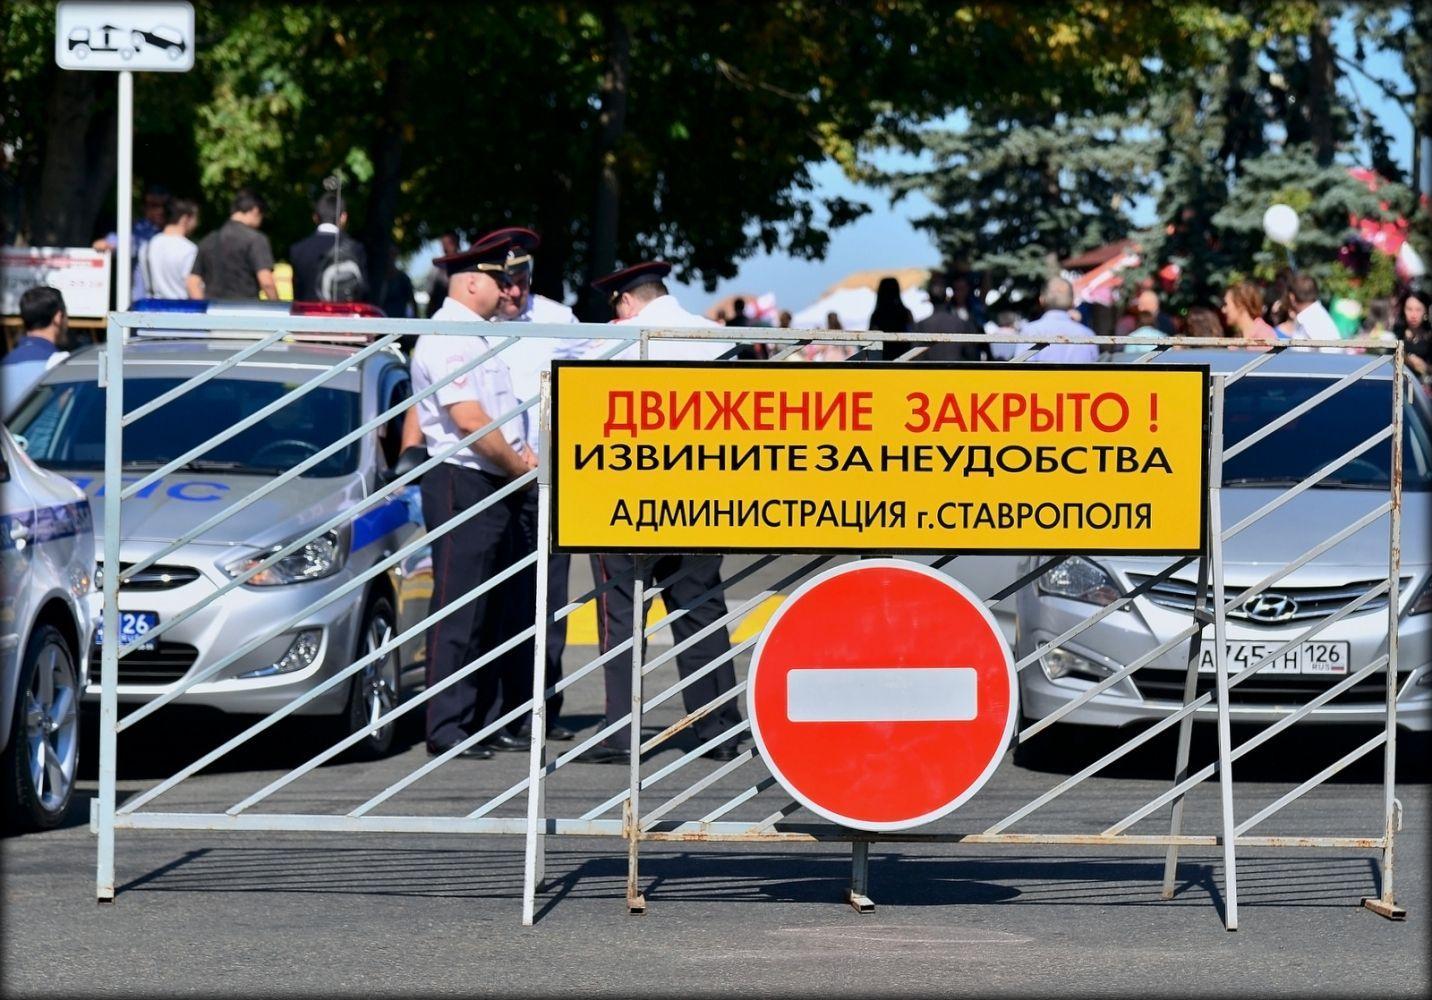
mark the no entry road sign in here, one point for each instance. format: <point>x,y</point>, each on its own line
<point>882,694</point>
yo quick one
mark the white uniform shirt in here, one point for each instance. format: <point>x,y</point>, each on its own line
<point>531,356</point>
<point>665,311</point>
<point>489,383</point>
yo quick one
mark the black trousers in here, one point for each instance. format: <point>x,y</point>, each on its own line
<point>614,626</point>
<point>476,550</point>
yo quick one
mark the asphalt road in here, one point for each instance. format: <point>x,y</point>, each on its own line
<point>245,914</point>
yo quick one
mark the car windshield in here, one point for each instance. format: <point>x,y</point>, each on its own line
<point>1315,438</point>
<point>63,426</point>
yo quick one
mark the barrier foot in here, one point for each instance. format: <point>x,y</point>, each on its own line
<point>1384,907</point>
<point>859,878</point>
<point>636,905</point>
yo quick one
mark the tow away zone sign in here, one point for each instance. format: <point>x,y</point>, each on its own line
<point>791,457</point>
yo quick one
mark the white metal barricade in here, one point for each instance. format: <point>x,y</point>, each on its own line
<point>687,813</point>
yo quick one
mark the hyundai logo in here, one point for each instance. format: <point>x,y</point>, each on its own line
<point>1270,608</point>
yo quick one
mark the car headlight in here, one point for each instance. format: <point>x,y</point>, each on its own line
<point>1423,604</point>
<point>1080,580</point>
<point>321,557</point>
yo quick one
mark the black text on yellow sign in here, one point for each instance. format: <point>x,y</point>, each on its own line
<point>796,457</point>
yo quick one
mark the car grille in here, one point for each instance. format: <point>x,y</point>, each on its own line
<point>1272,689</point>
<point>1307,602</point>
<point>168,662</point>
<point>157,577</point>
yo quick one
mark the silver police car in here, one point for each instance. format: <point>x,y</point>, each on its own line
<point>61,426</point>
<point>46,573</point>
<point>1074,590</point>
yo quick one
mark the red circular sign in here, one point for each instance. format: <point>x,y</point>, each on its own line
<point>882,694</point>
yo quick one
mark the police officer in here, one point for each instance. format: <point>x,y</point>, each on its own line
<point>491,540</point>
<point>528,358</point>
<point>639,297</point>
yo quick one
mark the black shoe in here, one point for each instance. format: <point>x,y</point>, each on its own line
<point>503,740</point>
<point>603,754</point>
<point>556,732</point>
<point>724,751</point>
<point>475,752</point>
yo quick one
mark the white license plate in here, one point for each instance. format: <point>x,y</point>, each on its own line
<point>133,627</point>
<point>1311,657</point>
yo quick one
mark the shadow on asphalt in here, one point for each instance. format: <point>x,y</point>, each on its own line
<point>729,876</point>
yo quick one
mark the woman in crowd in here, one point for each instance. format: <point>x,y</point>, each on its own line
<point>1203,322</point>
<point>1414,330</point>
<point>1243,311</point>
<point>890,315</point>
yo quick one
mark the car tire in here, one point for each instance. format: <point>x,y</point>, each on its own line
<point>377,689</point>
<point>42,760</point>
<point>80,51</point>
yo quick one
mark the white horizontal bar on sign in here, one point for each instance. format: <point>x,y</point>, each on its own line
<point>882,694</point>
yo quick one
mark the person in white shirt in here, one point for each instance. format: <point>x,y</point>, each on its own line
<point>167,258</point>
<point>491,540</point>
<point>639,298</point>
<point>1310,320</point>
<point>528,359</point>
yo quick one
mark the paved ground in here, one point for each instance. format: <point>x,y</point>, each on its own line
<point>284,913</point>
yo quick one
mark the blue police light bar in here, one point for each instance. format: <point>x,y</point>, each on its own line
<point>170,306</point>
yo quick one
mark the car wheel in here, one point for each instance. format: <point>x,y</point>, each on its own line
<point>43,756</point>
<point>376,689</point>
<point>174,53</point>
<point>81,51</point>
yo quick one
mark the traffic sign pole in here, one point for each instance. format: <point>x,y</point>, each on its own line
<point>124,191</point>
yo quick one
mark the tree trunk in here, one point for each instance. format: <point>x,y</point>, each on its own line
<point>601,246</point>
<point>387,156</point>
<point>1322,92</point>
<point>79,164</point>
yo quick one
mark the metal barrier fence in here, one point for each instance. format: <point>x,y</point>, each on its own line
<point>758,811</point>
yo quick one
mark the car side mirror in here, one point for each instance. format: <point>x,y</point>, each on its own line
<point>409,460</point>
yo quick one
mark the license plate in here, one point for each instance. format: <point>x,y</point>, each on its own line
<point>1311,658</point>
<point>133,627</point>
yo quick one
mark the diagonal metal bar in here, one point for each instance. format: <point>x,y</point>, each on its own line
<point>290,474</point>
<point>692,718</point>
<point>1308,483</point>
<point>1255,741</point>
<point>650,818</point>
<point>750,793</point>
<point>1282,421</point>
<point>1169,720</point>
<point>343,517</point>
<point>169,694</point>
<point>1258,362</point>
<point>1311,783</point>
<point>671,768</point>
<point>168,396</point>
<point>775,817</point>
<point>326,755</point>
<point>314,692</point>
<point>1104,612</point>
<point>129,492</point>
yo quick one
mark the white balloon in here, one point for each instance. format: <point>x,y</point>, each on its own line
<point>1280,224</point>
<point>1409,262</point>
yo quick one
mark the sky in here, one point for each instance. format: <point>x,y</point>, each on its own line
<point>885,237</point>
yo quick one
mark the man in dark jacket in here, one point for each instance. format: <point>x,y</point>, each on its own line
<point>329,249</point>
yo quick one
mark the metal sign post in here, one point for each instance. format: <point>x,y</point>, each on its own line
<point>124,37</point>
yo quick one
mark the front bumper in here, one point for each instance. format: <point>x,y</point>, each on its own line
<point>224,626</point>
<point>1155,690</point>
